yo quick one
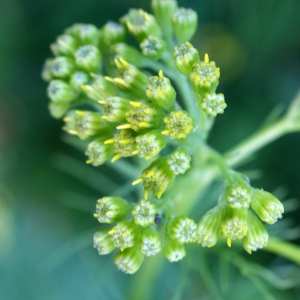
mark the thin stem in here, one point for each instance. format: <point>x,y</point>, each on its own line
<point>255,142</point>
<point>284,249</point>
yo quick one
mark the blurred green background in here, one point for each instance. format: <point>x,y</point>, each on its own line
<point>48,195</point>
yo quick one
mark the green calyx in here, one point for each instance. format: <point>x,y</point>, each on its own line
<point>173,250</point>
<point>140,24</point>
<point>185,57</point>
<point>112,209</point>
<point>160,91</point>
<point>98,152</point>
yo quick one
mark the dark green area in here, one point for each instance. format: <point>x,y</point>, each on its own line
<point>48,194</point>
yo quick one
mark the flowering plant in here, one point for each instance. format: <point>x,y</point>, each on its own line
<point>159,103</point>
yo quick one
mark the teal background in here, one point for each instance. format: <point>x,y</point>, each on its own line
<point>48,195</point>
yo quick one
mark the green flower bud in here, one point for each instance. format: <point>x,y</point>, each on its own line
<point>140,24</point>
<point>65,45</point>
<point>179,161</point>
<point>213,104</point>
<point>62,66</point>
<point>129,79</point>
<point>182,230</point>
<point>128,53</point>
<point>130,260</point>
<point>60,91</point>
<point>102,242</point>
<point>58,109</point>
<point>205,77</point>
<point>268,207</point>
<point>209,227</point>
<point>98,152</point>
<point>78,79</point>
<point>173,250</point>
<point>99,89</point>
<point>46,70</point>
<point>112,209</point>
<point>149,144</point>
<point>156,178</point>
<point>153,47</point>
<point>160,91</point>
<point>84,33</point>
<point>150,242</point>
<point>112,33</point>
<point>143,115</point>
<point>234,223</point>
<point>163,11</point>
<point>184,22</point>
<point>124,144</point>
<point>185,57</point>
<point>257,235</point>
<point>238,196</point>
<point>124,234</point>
<point>115,109</point>
<point>144,213</point>
<point>88,58</point>
<point>85,124</point>
<point>179,124</point>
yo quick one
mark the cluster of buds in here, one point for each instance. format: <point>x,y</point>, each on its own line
<point>132,113</point>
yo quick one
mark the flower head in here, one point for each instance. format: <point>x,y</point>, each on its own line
<point>153,47</point>
<point>98,152</point>
<point>102,242</point>
<point>144,213</point>
<point>182,230</point>
<point>179,161</point>
<point>150,242</point>
<point>213,104</point>
<point>173,250</point>
<point>88,58</point>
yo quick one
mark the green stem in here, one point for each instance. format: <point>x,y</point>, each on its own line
<point>284,249</point>
<point>255,142</point>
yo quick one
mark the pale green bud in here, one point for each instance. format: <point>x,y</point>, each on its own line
<point>209,227</point>
<point>102,242</point>
<point>144,213</point>
<point>115,108</point>
<point>112,33</point>
<point>173,250</point>
<point>46,70</point>
<point>99,89</point>
<point>85,124</point>
<point>160,91</point>
<point>179,161</point>
<point>129,260</point>
<point>98,152</point>
<point>213,104</point>
<point>140,24</point>
<point>185,57</point>
<point>153,47</point>
<point>65,45</point>
<point>156,178</point>
<point>257,235</point>
<point>163,11</point>
<point>78,79</point>
<point>150,242</point>
<point>128,53</point>
<point>184,22</point>
<point>112,209</point>
<point>58,109</point>
<point>143,115</point>
<point>149,144</point>
<point>85,34</point>
<point>267,207</point>
<point>234,223</point>
<point>60,91</point>
<point>179,124</point>
<point>62,67</point>
<point>204,77</point>
<point>124,144</point>
<point>88,58</point>
<point>129,79</point>
<point>124,234</point>
<point>182,230</point>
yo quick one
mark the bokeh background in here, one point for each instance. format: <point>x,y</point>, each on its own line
<point>47,194</point>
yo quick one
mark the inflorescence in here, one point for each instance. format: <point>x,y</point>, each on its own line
<point>134,114</point>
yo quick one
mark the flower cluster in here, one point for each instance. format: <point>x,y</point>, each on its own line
<point>134,113</point>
